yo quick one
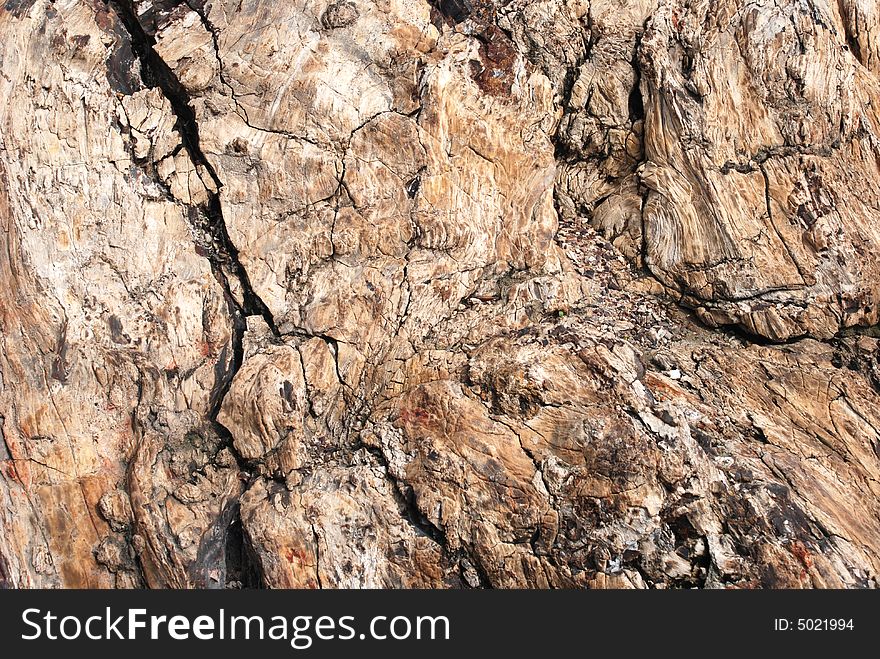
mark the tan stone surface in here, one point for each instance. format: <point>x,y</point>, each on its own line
<point>354,293</point>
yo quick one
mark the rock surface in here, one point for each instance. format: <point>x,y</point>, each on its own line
<point>399,293</point>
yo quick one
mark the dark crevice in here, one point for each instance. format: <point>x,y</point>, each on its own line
<point>207,220</point>
<point>635,102</point>
<point>155,72</point>
<point>850,29</point>
<point>405,498</point>
<point>5,449</point>
<point>453,10</point>
<point>243,569</point>
<point>5,579</point>
<point>743,334</point>
<point>750,338</point>
<point>317,542</point>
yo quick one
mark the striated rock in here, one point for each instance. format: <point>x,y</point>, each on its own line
<point>767,217</point>
<point>439,294</point>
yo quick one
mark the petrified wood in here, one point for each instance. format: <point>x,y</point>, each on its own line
<point>399,293</point>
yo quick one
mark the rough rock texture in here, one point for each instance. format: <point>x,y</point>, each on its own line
<point>459,293</point>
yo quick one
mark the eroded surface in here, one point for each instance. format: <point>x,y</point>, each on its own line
<point>408,293</point>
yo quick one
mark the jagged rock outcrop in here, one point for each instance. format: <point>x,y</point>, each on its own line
<point>401,293</point>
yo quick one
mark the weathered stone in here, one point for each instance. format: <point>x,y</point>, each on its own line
<point>439,294</point>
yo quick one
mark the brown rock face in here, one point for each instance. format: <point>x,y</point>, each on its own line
<point>439,294</point>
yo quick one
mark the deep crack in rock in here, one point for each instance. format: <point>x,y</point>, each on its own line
<point>220,252</point>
